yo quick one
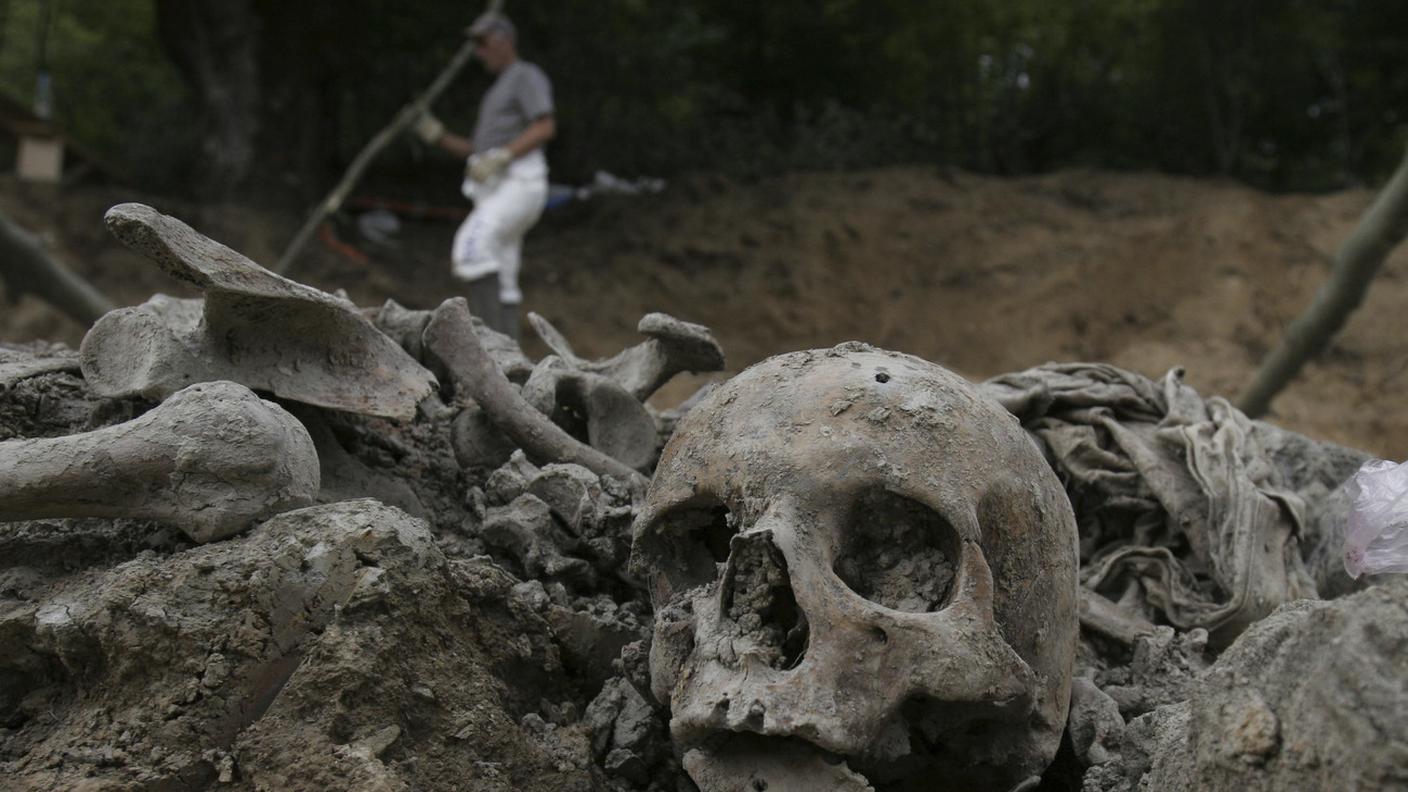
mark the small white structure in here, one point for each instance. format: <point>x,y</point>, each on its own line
<point>40,157</point>
<point>43,153</point>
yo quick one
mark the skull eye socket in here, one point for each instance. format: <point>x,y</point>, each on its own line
<point>898,553</point>
<point>692,541</point>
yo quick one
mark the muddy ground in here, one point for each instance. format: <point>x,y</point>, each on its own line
<point>477,627</point>
<point>982,274</point>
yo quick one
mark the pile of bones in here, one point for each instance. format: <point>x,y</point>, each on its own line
<point>264,539</point>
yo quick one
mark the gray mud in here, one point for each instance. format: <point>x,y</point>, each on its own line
<point>477,628</point>
<point>349,645</point>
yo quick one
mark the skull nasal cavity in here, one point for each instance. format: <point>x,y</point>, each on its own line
<point>757,598</point>
<point>898,553</point>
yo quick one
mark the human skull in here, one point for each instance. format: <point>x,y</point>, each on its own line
<point>854,555</point>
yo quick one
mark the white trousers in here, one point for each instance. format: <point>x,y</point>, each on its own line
<point>490,240</point>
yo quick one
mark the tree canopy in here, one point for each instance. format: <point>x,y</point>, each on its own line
<point>1288,94</point>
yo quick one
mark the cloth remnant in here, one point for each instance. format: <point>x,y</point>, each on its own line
<point>1171,491</point>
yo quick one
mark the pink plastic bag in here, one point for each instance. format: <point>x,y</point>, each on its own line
<point>1376,535</point>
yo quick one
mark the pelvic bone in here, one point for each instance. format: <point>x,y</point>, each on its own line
<point>253,327</point>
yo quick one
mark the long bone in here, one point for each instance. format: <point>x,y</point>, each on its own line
<point>450,336</point>
<point>672,346</point>
<point>253,327</point>
<point>212,460</point>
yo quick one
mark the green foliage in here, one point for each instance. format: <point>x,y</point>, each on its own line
<point>1284,93</point>
<point>113,89</point>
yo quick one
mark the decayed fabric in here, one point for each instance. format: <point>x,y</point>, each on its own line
<point>1171,491</point>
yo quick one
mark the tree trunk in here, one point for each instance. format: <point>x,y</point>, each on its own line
<point>215,44</point>
<point>1381,228</point>
<point>26,267</point>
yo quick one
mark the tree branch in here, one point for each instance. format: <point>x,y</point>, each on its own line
<point>1381,228</point>
<point>27,267</point>
<point>364,158</point>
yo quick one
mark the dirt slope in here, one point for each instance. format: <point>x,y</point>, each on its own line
<point>984,275</point>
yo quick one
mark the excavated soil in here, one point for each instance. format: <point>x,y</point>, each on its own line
<point>984,275</point>
<point>348,645</point>
<point>477,628</point>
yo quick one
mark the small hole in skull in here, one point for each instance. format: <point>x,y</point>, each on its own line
<point>898,553</point>
<point>882,378</point>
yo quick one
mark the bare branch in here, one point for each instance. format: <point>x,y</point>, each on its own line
<point>381,140</point>
<point>27,267</point>
<point>1381,228</point>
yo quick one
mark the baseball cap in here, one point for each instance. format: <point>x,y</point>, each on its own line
<point>491,22</point>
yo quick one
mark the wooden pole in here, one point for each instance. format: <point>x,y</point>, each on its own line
<point>1381,228</point>
<point>353,174</point>
<point>27,267</point>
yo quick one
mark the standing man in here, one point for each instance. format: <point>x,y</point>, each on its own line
<point>506,174</point>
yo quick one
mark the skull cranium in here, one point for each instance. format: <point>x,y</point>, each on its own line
<point>853,554</point>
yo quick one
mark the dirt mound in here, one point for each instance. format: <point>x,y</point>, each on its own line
<point>475,624</point>
<point>349,645</point>
<point>988,276</point>
<point>147,673</point>
<point>981,274</point>
<point>1303,700</point>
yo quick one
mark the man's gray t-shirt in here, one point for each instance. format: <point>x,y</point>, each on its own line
<point>521,95</point>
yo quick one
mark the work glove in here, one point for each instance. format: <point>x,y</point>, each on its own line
<point>428,128</point>
<point>488,165</point>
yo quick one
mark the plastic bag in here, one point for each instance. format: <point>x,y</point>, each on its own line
<point>1376,534</point>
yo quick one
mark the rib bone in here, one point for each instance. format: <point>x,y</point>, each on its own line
<point>213,460</point>
<point>406,327</point>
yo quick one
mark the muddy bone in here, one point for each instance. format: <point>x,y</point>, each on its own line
<point>252,327</point>
<point>450,337</point>
<point>212,460</point>
<point>672,346</point>
<point>594,408</point>
<point>862,568</point>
